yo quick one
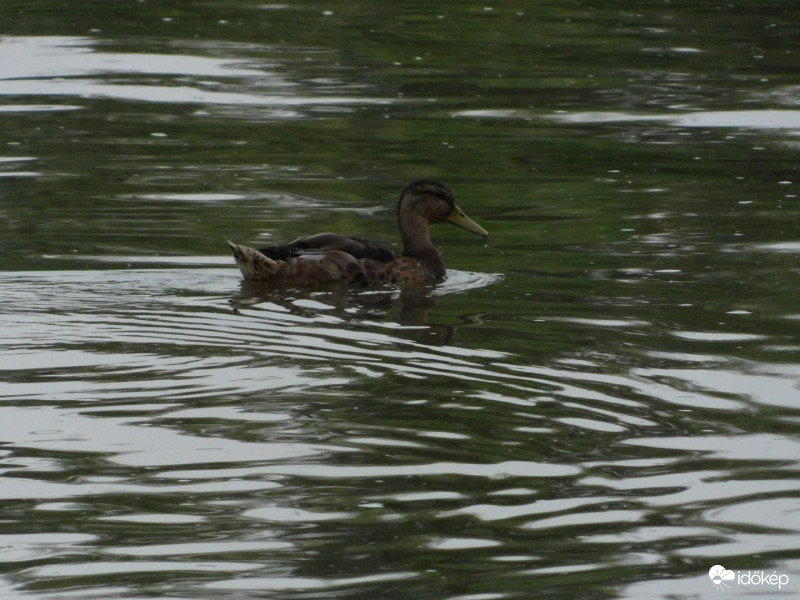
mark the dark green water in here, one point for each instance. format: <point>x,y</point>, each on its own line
<point>602,401</point>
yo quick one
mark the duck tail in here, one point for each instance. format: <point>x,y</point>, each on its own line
<point>254,265</point>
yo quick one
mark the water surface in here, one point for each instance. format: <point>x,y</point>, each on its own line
<point>602,401</point>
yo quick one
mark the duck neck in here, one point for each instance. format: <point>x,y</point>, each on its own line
<point>417,245</point>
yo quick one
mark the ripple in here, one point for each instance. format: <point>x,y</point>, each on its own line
<point>492,512</point>
<point>744,544</point>
<point>37,546</point>
<point>25,108</point>
<point>771,385</point>
<point>716,336</point>
<point>155,518</point>
<point>744,447</point>
<point>13,174</point>
<point>458,282</point>
<point>502,470</point>
<point>196,197</point>
<point>576,519</point>
<point>426,496</point>
<point>290,515</point>
<point>744,119</point>
<point>307,583</point>
<point>68,430</point>
<point>178,95</point>
<point>585,385</point>
<point>778,247</point>
<point>492,113</point>
<point>75,66</point>
<point>273,419</point>
<point>133,259</point>
<point>774,513</point>
<point>193,549</point>
<point>648,534</point>
<point>42,57</point>
<point>683,489</point>
<point>31,489</point>
<point>458,543</point>
<point>100,568</point>
<point>592,425</point>
<point>621,323</point>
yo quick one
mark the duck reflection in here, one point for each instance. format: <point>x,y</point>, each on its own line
<point>408,307</point>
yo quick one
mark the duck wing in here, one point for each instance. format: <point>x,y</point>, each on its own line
<point>316,246</point>
<point>330,266</point>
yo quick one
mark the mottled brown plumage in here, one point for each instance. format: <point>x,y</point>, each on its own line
<point>329,257</point>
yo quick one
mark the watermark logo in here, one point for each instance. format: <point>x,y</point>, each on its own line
<point>723,579</point>
<point>720,577</point>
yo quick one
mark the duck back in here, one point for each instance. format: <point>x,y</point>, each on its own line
<point>321,243</point>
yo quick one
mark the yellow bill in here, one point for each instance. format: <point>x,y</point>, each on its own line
<point>457,217</point>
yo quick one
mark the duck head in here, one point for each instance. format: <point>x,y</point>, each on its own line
<point>432,202</point>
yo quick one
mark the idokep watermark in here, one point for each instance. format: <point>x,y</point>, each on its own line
<point>723,579</point>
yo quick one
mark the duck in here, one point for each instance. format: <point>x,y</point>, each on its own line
<point>326,258</point>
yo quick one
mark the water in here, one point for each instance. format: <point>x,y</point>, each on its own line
<point>603,401</point>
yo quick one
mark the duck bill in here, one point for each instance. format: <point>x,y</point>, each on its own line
<point>457,217</point>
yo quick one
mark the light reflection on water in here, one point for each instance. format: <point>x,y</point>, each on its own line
<point>72,66</point>
<point>248,415</point>
<point>746,119</point>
